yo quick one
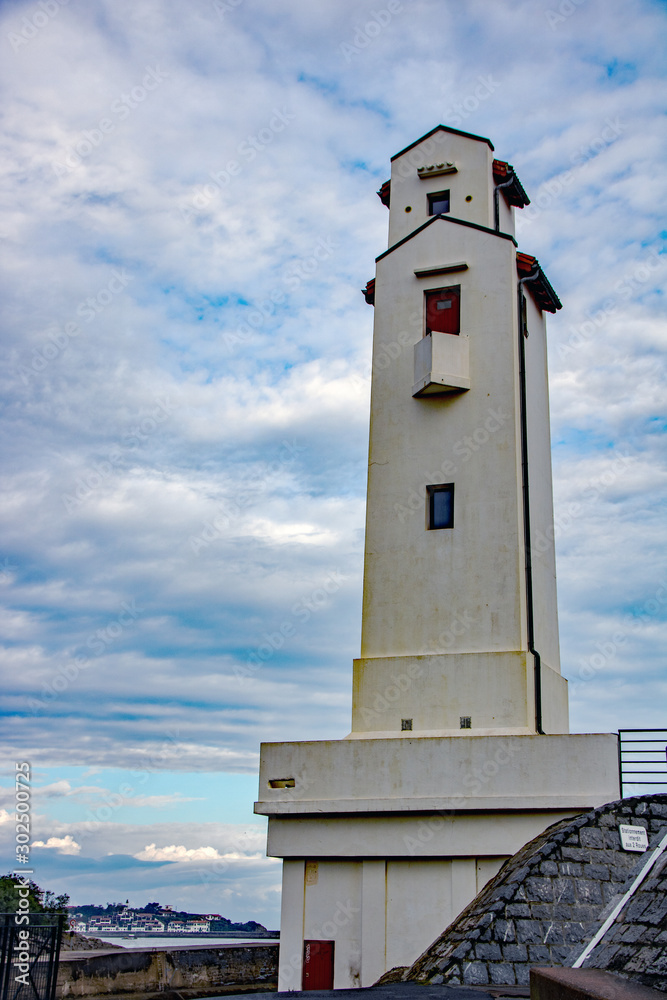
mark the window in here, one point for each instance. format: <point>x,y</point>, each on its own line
<point>440,506</point>
<point>406,725</point>
<point>438,203</point>
<point>524,315</point>
<point>443,310</point>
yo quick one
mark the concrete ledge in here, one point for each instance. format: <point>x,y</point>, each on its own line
<point>429,773</point>
<point>206,969</point>
<point>585,984</point>
<point>574,803</point>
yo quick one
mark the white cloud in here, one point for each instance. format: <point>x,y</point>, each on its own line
<point>178,852</point>
<point>64,845</point>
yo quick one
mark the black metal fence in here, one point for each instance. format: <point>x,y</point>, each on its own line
<point>29,956</point>
<point>642,760</point>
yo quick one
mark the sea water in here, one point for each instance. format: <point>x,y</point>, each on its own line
<point>179,941</point>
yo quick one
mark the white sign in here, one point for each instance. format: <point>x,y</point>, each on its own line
<point>633,838</point>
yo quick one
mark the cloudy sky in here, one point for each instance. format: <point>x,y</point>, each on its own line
<point>188,214</point>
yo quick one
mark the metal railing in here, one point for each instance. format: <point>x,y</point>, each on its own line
<point>29,953</point>
<point>642,759</point>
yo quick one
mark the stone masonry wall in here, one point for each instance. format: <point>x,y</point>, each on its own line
<point>205,969</point>
<point>544,902</point>
<point>635,945</point>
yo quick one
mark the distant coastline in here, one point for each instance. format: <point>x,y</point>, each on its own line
<point>190,935</point>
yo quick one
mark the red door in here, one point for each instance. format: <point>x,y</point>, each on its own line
<point>318,965</point>
<point>443,310</point>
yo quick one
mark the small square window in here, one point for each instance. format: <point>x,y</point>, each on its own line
<point>438,203</point>
<point>440,506</point>
<point>466,722</point>
<point>406,724</point>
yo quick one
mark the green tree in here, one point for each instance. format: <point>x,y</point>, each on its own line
<point>40,900</point>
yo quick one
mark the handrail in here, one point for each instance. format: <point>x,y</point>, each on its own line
<point>627,759</point>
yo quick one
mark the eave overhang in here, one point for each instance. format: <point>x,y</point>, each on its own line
<point>539,287</point>
<point>369,292</point>
<point>384,194</point>
<point>512,189</point>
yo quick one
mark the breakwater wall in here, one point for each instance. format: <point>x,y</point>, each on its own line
<point>197,971</point>
<point>188,935</point>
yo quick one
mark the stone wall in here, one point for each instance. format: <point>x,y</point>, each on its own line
<point>635,945</point>
<point>545,902</point>
<point>205,969</point>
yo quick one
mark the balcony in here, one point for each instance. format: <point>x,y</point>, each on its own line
<point>442,365</point>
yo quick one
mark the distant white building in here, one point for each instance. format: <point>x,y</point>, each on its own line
<point>100,923</point>
<point>147,924</point>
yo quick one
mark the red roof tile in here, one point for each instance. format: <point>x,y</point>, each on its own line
<point>384,193</point>
<point>543,294</point>
<point>514,193</point>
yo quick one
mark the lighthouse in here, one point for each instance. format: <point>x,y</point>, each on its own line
<point>459,750</point>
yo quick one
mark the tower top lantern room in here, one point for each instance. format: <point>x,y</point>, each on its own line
<point>459,166</point>
<point>460,578</point>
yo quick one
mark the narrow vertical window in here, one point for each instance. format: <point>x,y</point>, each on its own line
<point>524,316</point>
<point>440,506</point>
<point>438,203</point>
<point>443,310</point>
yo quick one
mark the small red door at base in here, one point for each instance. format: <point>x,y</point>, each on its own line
<point>318,965</point>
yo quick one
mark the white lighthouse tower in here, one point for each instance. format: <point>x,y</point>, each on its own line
<point>459,751</point>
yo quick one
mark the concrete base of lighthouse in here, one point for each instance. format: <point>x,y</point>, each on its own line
<point>385,841</point>
<point>495,689</point>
